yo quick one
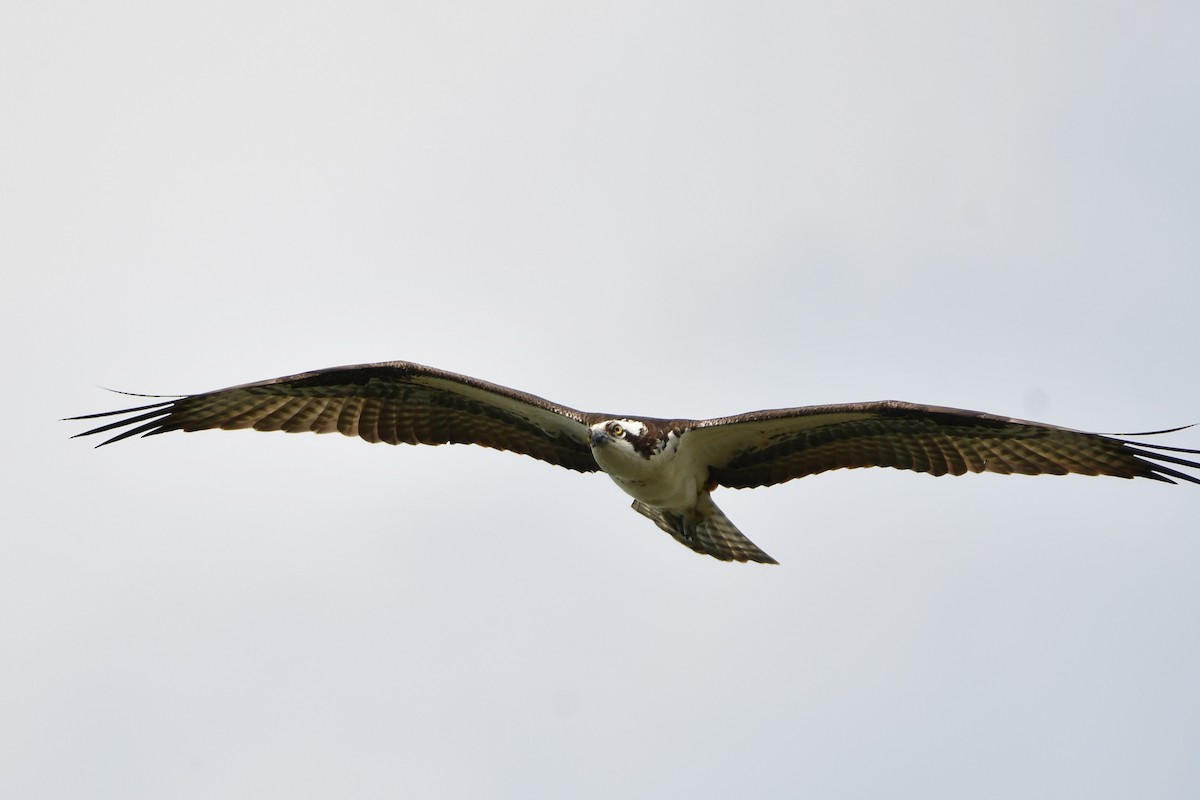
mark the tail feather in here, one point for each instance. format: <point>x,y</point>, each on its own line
<point>705,529</point>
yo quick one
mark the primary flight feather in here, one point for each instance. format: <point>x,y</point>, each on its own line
<point>669,466</point>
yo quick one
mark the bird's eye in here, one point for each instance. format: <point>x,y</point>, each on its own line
<point>615,429</point>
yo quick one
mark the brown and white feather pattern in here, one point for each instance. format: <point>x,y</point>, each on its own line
<point>396,403</point>
<point>768,447</point>
<point>404,403</point>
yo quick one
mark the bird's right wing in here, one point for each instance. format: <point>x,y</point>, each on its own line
<point>395,402</point>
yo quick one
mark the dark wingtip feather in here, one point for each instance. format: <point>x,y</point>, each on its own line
<point>1154,458</point>
<point>100,414</point>
<point>1155,433</point>
<point>154,426</point>
<point>1168,448</point>
<point>155,413</point>
<point>1174,473</point>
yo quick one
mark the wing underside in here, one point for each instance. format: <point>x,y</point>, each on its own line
<point>395,402</point>
<point>405,403</point>
<point>771,447</point>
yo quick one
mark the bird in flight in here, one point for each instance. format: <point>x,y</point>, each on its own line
<point>669,466</point>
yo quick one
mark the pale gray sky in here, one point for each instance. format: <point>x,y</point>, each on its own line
<point>674,209</point>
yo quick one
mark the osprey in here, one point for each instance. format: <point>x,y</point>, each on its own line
<point>669,466</point>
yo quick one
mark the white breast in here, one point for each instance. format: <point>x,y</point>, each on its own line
<point>664,480</point>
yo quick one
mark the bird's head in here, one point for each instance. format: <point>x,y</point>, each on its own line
<point>625,436</point>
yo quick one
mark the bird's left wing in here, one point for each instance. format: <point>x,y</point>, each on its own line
<point>769,447</point>
<point>395,402</point>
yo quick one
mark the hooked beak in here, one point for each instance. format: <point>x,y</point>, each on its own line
<point>599,438</point>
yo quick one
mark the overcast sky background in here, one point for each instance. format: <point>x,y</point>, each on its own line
<point>670,209</point>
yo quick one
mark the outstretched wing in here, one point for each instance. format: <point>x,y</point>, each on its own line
<point>769,447</point>
<point>395,402</point>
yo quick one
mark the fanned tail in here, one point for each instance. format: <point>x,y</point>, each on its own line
<point>707,530</point>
